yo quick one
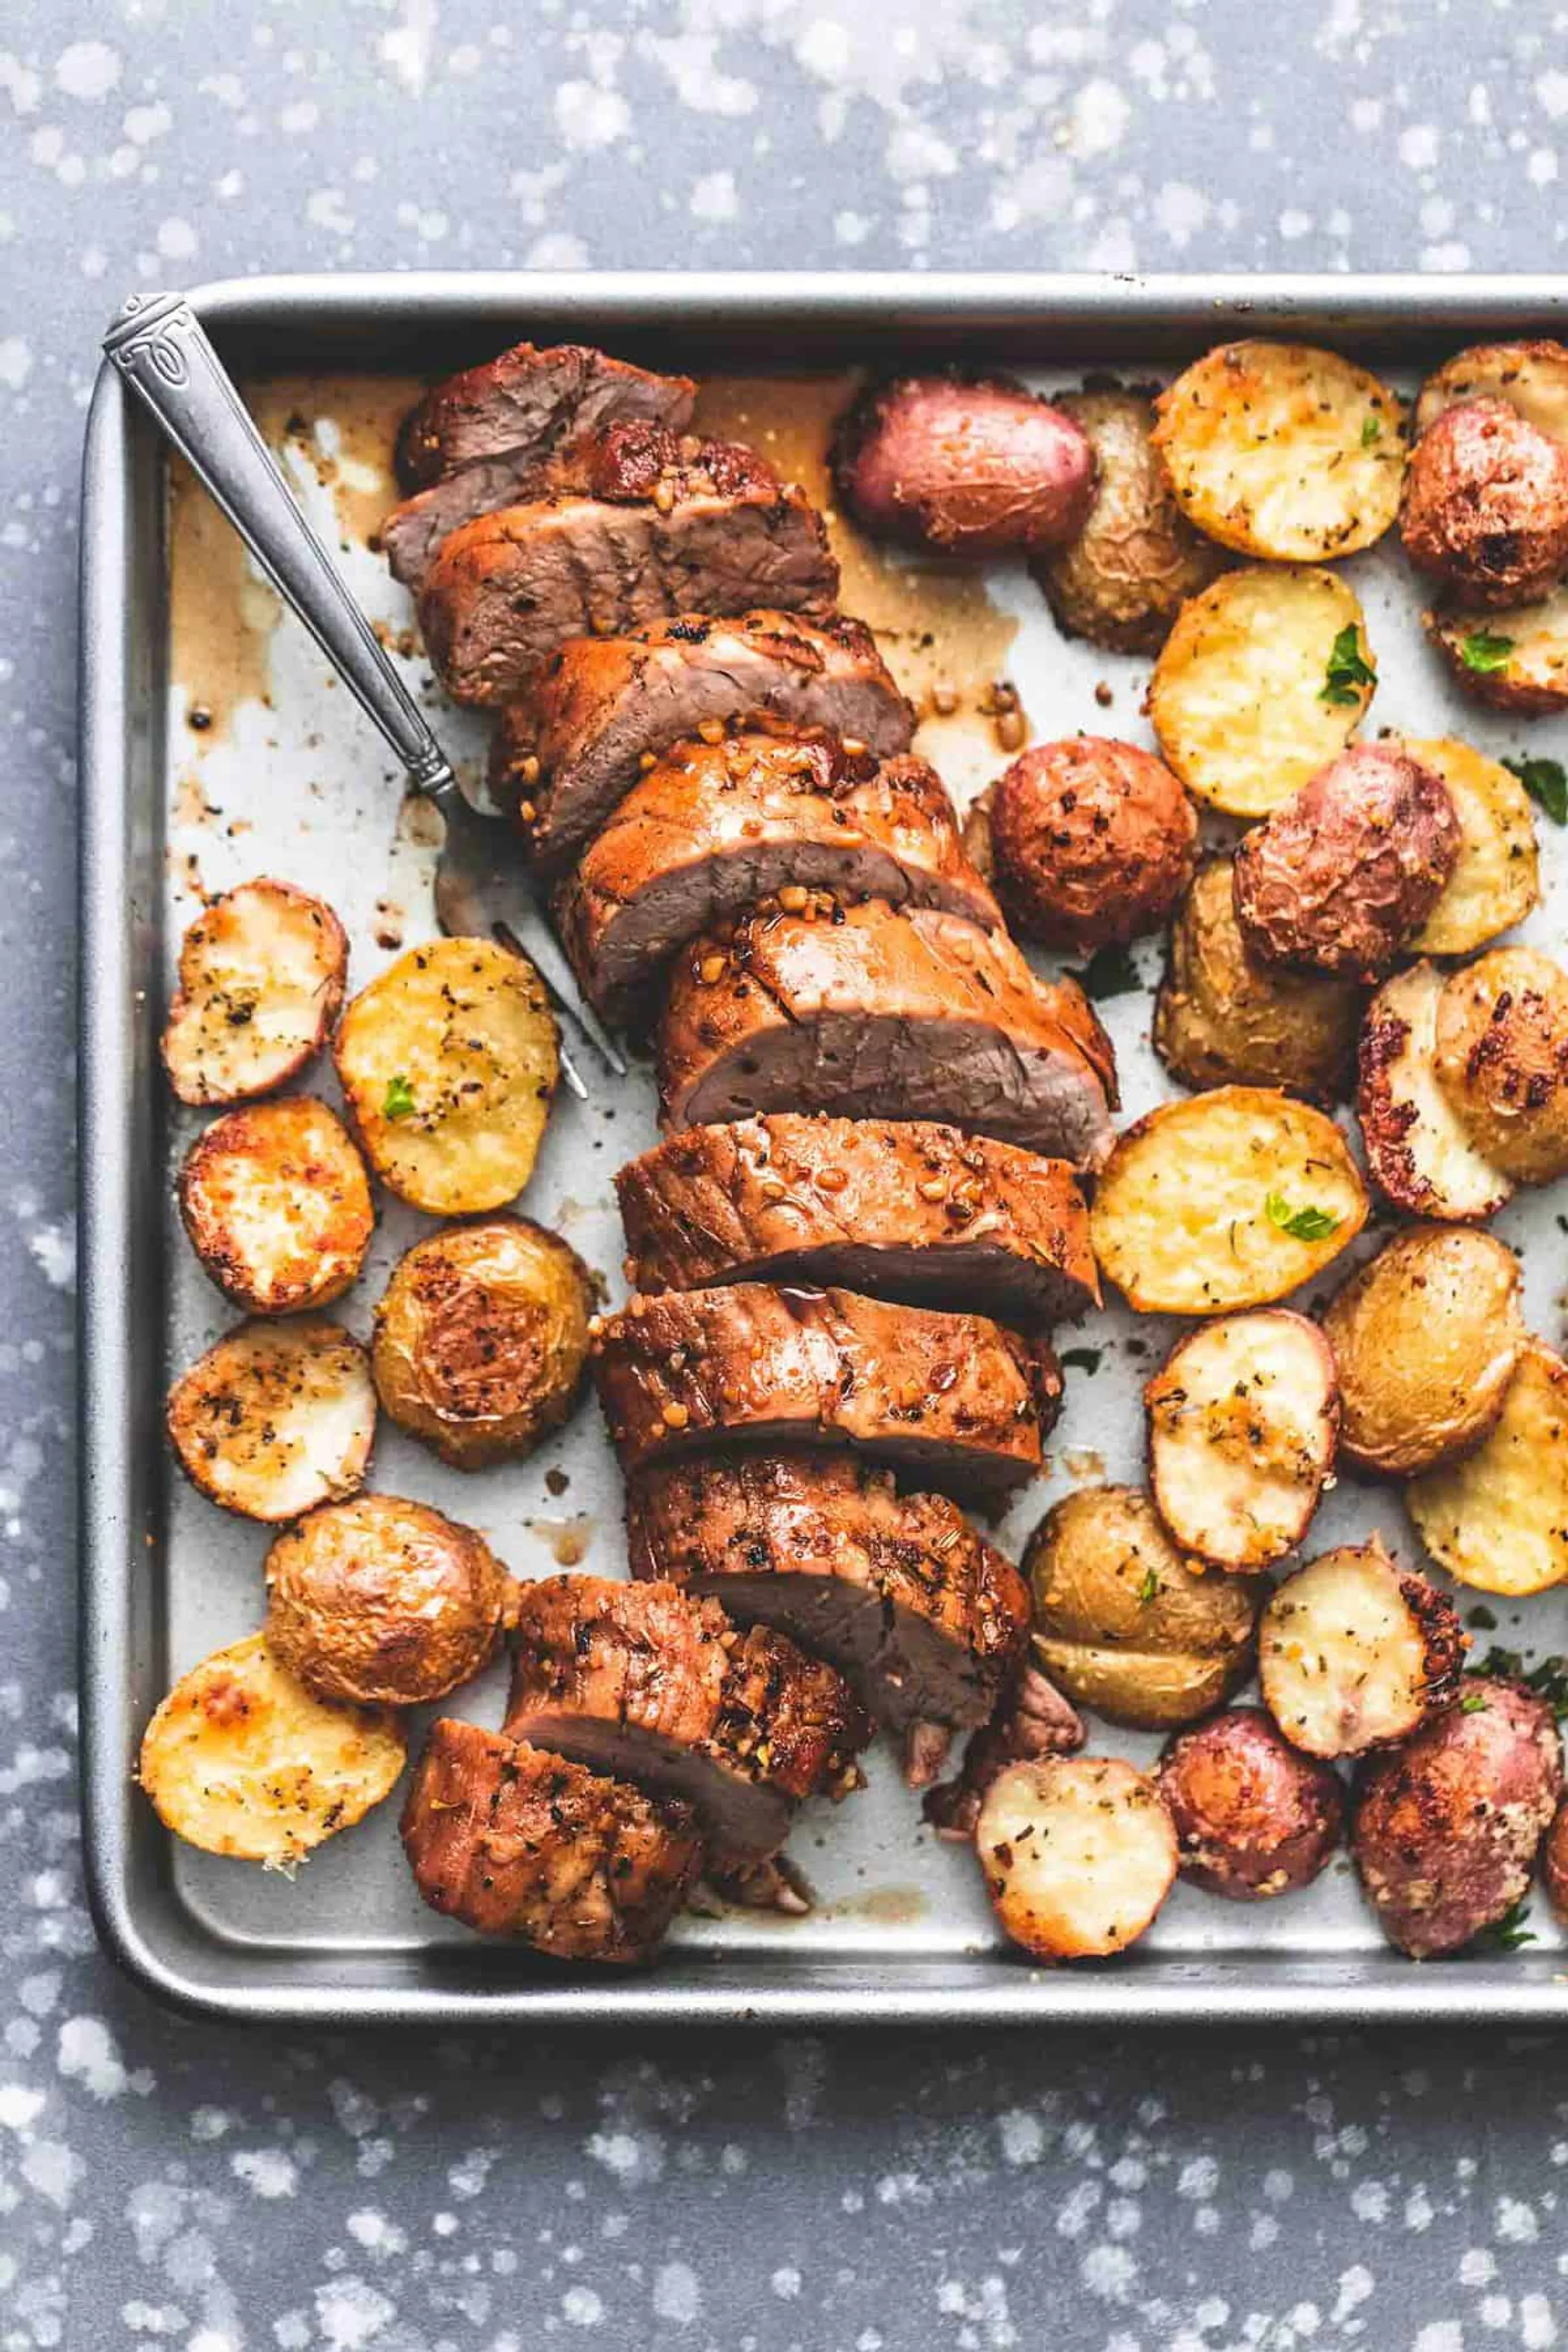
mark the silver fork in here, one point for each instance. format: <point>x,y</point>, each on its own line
<point>164,353</point>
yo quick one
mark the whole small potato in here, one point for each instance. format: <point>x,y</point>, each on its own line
<point>1485,504</point>
<point>1501,1060</point>
<point>1554,1861</point>
<point>1254,1817</point>
<point>1426,1336</point>
<point>1092,842</point>
<point>967,465</point>
<point>1350,868</point>
<point>1446,1827</point>
<point>1123,580</point>
<point>384,1601</point>
<point>1224,1017</point>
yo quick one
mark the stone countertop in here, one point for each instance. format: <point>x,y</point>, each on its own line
<point>173,2183</point>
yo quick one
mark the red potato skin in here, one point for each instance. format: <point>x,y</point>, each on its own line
<point>1447,1825</point>
<point>1350,868</point>
<point>1092,843</point>
<point>1255,1818</point>
<point>964,466</point>
<point>1486,505</point>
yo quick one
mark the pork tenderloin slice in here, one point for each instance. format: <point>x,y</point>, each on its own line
<point>514,1841</point>
<point>954,1398</point>
<point>923,1617</point>
<point>412,534</point>
<point>525,404</point>
<point>714,827</point>
<point>643,1681</point>
<point>884,1012</point>
<point>604,705</point>
<point>902,1209</point>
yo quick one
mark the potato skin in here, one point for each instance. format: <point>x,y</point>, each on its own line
<point>965,465</point>
<point>1092,841</point>
<point>481,1338</point>
<point>1344,872</point>
<point>1486,505</point>
<point>1446,1827</point>
<point>1426,1336</point>
<point>1224,1018</point>
<point>1122,582</point>
<point>1501,1060</point>
<point>1254,1817</point>
<point>383,1602</point>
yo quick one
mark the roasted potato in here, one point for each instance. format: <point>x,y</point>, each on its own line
<point>1092,842</point>
<point>276,1204</point>
<point>276,1418</point>
<point>1501,1060</point>
<point>1445,1829</point>
<point>261,978</point>
<point>1243,1418</point>
<point>384,1601</point>
<point>1555,1861</point>
<point>1416,1149</point>
<point>1254,1817</point>
<point>1229,1199</point>
<point>966,465</point>
<point>240,1759</point>
<point>1426,1337</point>
<point>1354,1652</point>
<point>1516,659</point>
<point>1497,1518</point>
<point>1223,1017</point>
<point>1078,1853</point>
<point>1531,376</point>
<point>1344,871</point>
<point>481,1338</point>
<point>1122,581</point>
<point>1495,881</point>
<point>449,1061</point>
<point>1124,1624</point>
<point>1262,680</point>
<point>1486,506</point>
<point>1283,451</point>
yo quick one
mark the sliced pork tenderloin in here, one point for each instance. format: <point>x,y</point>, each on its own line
<point>923,1617</point>
<point>878,1012</point>
<point>528,402</point>
<point>900,1208</point>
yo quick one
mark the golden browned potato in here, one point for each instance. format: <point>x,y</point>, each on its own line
<point>1122,581</point>
<point>1254,1817</point>
<point>1092,842</point>
<point>1498,1518</point>
<point>1515,659</point>
<point>240,1759</point>
<point>967,465</point>
<point>1229,1199</point>
<point>1416,1149</point>
<point>276,1204</point>
<point>1123,1623</point>
<point>1263,679</point>
<point>262,979</point>
<point>1447,1828</point>
<point>1078,1853</point>
<point>1221,1017</point>
<point>449,1061</point>
<point>1426,1337</point>
<point>276,1418</point>
<point>481,1338</point>
<point>1501,1060</point>
<point>1495,881</point>
<point>1354,1652</point>
<point>384,1601</point>
<point>1532,377</point>
<point>1283,451</point>
<point>1486,505</point>
<point>1243,1418</point>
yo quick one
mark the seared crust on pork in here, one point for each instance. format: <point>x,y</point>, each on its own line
<point>533,401</point>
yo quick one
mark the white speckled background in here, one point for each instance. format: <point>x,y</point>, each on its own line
<point>165,2183</point>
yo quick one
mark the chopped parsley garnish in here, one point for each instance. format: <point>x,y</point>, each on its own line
<point>1484,652</point>
<point>1150,1588</point>
<point>1083,1359</point>
<point>1474,1705</point>
<point>1349,670</point>
<point>1109,972</point>
<point>1507,1934</point>
<point>1549,1680</point>
<point>1546,781</point>
<point>1481,1618</point>
<point>1370,430</point>
<point>1308,1225</point>
<point>399,1102</point>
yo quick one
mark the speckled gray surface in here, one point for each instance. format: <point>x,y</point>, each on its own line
<point>171,2183</point>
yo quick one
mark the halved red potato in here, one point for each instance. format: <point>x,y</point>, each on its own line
<point>1514,659</point>
<point>1355,1651</point>
<point>1243,1419</point>
<point>1497,1518</point>
<point>1416,1149</point>
<point>260,980</point>
<point>1496,880</point>
<point>1532,377</point>
<point>277,1204</point>
<point>1079,1852</point>
<point>276,1418</point>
